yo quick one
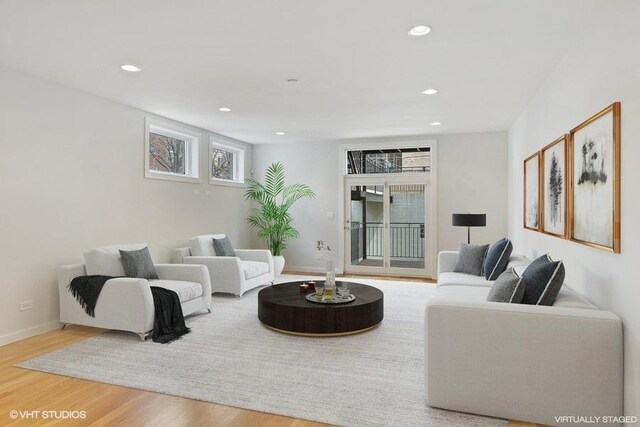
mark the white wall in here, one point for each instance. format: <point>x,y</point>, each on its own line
<point>600,70</point>
<point>72,178</point>
<point>317,166</point>
<point>472,176</point>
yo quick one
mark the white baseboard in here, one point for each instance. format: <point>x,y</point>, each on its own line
<point>28,333</point>
<point>307,270</point>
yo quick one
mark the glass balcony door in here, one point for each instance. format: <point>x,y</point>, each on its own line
<point>385,226</point>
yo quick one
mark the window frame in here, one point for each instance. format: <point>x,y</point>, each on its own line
<point>192,150</point>
<point>238,164</point>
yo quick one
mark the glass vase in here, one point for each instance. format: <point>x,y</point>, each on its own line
<point>330,280</point>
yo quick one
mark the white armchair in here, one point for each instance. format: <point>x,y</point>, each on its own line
<point>249,269</point>
<point>125,303</point>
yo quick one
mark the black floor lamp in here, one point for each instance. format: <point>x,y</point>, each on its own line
<point>469,220</point>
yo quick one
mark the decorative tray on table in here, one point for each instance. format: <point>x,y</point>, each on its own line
<point>337,299</point>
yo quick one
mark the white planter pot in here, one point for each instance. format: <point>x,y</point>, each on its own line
<point>278,264</point>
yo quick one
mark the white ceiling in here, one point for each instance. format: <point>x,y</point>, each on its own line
<point>360,73</point>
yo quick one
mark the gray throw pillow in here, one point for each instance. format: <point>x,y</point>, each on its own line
<point>138,264</point>
<point>508,287</point>
<point>542,279</point>
<point>471,259</point>
<point>497,258</point>
<point>223,247</point>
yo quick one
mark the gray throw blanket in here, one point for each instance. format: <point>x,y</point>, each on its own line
<point>168,324</point>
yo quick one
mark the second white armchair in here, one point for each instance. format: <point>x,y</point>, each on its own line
<point>249,269</point>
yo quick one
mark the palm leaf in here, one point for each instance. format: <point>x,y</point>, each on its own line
<point>271,218</point>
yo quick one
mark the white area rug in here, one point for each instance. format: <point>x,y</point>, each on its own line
<point>371,379</point>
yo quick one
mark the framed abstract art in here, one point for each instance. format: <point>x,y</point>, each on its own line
<point>554,188</point>
<point>594,201</point>
<point>532,192</point>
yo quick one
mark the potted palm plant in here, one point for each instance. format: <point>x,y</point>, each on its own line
<point>271,218</point>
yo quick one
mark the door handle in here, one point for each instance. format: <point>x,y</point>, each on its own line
<point>347,228</point>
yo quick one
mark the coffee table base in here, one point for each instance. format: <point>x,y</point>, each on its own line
<point>321,335</point>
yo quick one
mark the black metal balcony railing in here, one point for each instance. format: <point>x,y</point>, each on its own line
<point>367,240</point>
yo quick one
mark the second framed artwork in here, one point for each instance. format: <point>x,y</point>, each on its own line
<point>553,199</point>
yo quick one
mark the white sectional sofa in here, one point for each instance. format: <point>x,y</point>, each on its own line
<point>516,361</point>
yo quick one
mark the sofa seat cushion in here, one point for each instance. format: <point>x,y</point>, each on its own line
<point>186,290</point>
<point>462,279</point>
<point>466,293</point>
<point>254,269</point>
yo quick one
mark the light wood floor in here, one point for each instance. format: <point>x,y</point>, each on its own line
<point>110,405</point>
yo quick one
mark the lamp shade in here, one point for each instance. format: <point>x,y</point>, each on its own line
<point>469,220</point>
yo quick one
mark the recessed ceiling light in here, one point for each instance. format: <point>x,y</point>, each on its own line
<point>419,30</point>
<point>430,91</point>
<point>435,123</point>
<point>279,133</point>
<point>293,81</point>
<point>224,109</point>
<point>131,68</point>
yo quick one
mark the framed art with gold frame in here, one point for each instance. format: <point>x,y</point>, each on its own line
<point>594,192</point>
<point>531,199</point>
<point>553,195</point>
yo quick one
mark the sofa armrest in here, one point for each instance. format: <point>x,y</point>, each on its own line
<point>522,362</point>
<point>223,270</point>
<point>124,303</point>
<point>66,273</point>
<point>260,255</point>
<point>177,255</point>
<point>447,261</point>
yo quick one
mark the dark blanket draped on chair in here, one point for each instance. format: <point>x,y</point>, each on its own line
<point>168,324</point>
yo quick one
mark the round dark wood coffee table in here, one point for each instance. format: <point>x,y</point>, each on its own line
<point>284,308</point>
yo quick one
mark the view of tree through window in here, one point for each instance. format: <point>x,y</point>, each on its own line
<point>167,154</point>
<point>222,166</point>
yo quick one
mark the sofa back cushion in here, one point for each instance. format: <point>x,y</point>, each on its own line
<point>203,245</point>
<point>570,299</point>
<point>497,258</point>
<point>106,259</point>
<point>517,260</point>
